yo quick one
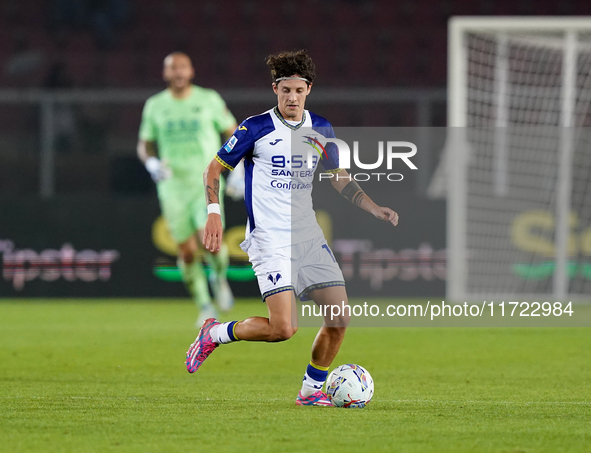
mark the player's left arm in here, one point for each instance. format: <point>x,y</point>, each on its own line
<point>348,188</point>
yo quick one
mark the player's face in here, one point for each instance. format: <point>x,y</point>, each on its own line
<point>178,71</point>
<point>291,98</point>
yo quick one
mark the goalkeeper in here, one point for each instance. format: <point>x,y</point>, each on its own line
<point>179,135</point>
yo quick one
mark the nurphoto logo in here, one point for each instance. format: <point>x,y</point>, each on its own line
<point>388,152</point>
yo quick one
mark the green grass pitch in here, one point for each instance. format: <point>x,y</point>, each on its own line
<point>99,376</point>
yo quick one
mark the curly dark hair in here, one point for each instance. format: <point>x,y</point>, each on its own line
<point>287,64</point>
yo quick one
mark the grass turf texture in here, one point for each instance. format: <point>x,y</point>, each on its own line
<point>109,376</point>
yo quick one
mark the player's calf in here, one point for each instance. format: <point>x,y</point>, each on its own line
<point>282,332</point>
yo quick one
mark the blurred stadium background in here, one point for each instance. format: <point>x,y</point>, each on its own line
<point>79,212</point>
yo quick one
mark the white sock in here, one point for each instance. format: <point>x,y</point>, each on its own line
<point>224,333</point>
<point>313,379</point>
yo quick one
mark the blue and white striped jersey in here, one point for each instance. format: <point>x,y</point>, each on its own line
<point>278,182</point>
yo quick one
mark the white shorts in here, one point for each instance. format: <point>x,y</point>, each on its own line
<point>301,267</point>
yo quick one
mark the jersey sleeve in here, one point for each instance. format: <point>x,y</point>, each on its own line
<point>148,131</point>
<point>239,145</point>
<point>331,163</point>
<point>330,159</point>
<point>222,117</point>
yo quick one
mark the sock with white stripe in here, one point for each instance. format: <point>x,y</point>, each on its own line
<point>313,379</point>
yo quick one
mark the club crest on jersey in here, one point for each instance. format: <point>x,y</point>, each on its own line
<point>314,143</point>
<point>277,140</point>
<point>230,143</point>
<point>274,278</point>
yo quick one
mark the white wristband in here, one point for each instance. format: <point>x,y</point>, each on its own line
<point>152,164</point>
<point>214,208</point>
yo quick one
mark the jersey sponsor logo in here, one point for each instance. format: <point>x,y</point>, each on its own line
<point>290,185</point>
<point>230,143</point>
<point>274,278</point>
<point>242,128</point>
<point>180,131</point>
<point>276,141</point>
<point>297,161</point>
<point>293,173</point>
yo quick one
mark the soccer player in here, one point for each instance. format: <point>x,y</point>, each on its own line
<point>286,247</point>
<point>179,135</point>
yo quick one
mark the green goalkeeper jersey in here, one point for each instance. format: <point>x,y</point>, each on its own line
<point>187,131</point>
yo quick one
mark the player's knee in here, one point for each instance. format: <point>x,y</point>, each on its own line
<point>338,322</point>
<point>187,256</point>
<point>284,332</point>
<point>343,321</point>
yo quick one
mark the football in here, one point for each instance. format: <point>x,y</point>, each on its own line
<point>349,386</point>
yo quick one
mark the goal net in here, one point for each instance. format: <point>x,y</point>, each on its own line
<point>517,163</point>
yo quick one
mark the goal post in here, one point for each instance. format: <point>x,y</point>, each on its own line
<point>517,163</point>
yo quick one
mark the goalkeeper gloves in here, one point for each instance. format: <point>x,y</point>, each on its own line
<point>158,169</point>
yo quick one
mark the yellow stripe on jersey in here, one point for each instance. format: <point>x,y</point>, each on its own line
<point>334,170</point>
<point>228,166</point>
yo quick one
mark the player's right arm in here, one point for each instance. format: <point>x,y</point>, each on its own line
<point>146,149</point>
<point>238,146</point>
<point>212,234</point>
<point>146,146</point>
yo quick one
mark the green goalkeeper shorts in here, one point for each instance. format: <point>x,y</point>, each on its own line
<point>184,208</point>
